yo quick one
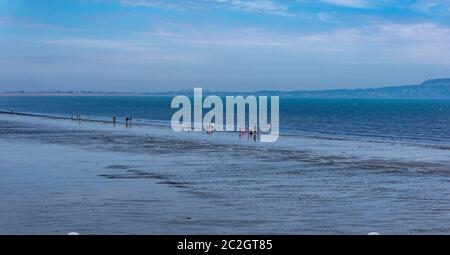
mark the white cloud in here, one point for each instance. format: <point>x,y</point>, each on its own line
<point>425,42</point>
<point>265,6</point>
<point>422,43</point>
<point>115,49</point>
<point>349,3</point>
<point>259,6</point>
<point>430,6</point>
<point>97,44</point>
<point>148,3</point>
<point>25,23</point>
<point>327,17</point>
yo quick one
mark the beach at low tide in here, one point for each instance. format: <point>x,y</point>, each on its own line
<point>60,176</point>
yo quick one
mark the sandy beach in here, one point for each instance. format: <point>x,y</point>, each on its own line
<point>60,176</point>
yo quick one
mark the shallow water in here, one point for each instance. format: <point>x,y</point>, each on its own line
<point>414,121</point>
<point>60,176</point>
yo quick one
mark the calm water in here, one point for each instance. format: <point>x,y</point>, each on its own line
<point>421,121</point>
<point>151,180</point>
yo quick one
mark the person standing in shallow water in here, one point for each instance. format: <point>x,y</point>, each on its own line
<point>114,119</point>
<point>126,121</point>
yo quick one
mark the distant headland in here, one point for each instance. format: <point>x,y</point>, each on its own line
<point>429,89</point>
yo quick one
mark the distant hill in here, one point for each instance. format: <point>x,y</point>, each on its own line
<point>429,89</point>
<point>433,88</point>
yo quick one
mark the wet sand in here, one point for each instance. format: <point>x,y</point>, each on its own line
<point>60,176</point>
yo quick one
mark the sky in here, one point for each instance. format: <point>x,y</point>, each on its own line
<point>233,45</point>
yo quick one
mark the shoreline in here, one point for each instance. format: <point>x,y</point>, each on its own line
<point>283,135</point>
<point>50,116</point>
<point>81,94</point>
<point>358,149</point>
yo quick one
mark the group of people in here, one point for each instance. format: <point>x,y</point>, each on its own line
<point>209,128</point>
<point>114,119</point>
<point>127,120</point>
<point>76,117</point>
<point>252,132</point>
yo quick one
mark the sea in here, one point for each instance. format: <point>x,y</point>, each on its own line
<point>415,121</point>
<point>340,166</point>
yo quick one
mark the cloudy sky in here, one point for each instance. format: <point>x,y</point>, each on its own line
<point>155,45</point>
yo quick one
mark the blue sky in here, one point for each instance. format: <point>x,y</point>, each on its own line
<point>154,45</point>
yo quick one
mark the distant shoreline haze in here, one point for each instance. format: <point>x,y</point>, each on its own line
<point>429,89</point>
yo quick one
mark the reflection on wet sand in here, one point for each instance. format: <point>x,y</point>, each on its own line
<point>131,182</point>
